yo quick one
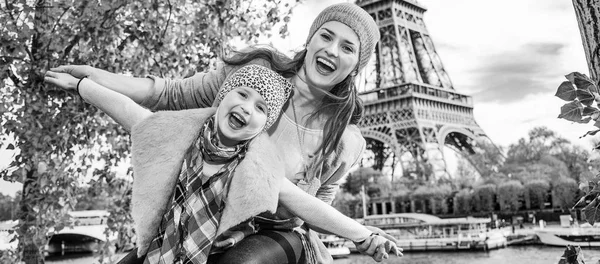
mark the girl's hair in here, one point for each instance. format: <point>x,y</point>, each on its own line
<point>341,103</point>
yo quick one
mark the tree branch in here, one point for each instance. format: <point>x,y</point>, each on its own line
<point>108,14</point>
<point>68,49</point>
<point>14,58</point>
<point>58,20</point>
<point>13,77</point>
<point>168,19</point>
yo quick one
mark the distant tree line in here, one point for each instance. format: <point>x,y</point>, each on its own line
<point>542,171</point>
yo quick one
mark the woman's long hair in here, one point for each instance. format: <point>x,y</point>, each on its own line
<point>341,104</point>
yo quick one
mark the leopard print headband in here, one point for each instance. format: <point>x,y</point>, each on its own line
<point>273,88</point>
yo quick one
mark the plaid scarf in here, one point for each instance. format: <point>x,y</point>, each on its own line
<point>189,228</point>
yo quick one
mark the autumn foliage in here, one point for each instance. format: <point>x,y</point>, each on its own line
<point>67,145</point>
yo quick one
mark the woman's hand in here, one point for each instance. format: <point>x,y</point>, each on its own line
<point>377,230</point>
<point>378,247</point>
<point>62,80</point>
<point>77,71</point>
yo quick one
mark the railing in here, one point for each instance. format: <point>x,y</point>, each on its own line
<point>412,89</point>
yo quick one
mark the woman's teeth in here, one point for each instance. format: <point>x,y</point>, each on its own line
<point>329,66</point>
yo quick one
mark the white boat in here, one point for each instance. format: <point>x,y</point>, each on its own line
<point>6,236</point>
<point>577,236</point>
<point>335,245</point>
<point>422,232</point>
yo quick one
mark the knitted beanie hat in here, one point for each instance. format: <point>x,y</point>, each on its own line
<point>273,88</point>
<point>358,20</point>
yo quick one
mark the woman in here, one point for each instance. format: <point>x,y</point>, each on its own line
<point>317,130</point>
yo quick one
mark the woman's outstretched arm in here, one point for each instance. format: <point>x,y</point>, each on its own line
<point>196,91</point>
<point>121,108</point>
<point>138,89</point>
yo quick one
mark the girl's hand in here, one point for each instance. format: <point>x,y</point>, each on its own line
<point>78,71</point>
<point>378,247</point>
<point>62,80</point>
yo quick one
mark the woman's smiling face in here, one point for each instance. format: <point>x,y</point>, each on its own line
<point>241,115</point>
<point>332,54</point>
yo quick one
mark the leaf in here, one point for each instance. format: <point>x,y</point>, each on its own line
<point>580,202</point>
<point>584,187</point>
<point>571,111</point>
<point>591,111</point>
<point>592,184</point>
<point>571,255</point>
<point>592,212</point>
<point>585,97</point>
<point>591,133</point>
<point>581,81</point>
<point>597,123</point>
<point>585,120</point>
<point>566,91</point>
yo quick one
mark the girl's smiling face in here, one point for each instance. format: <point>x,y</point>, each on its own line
<point>332,54</point>
<point>241,115</point>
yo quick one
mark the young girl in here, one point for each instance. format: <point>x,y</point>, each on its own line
<point>196,175</point>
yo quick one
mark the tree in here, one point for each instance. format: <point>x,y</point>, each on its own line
<point>579,163</point>
<point>484,197</point>
<point>466,175</point>
<point>536,193</point>
<point>363,176</point>
<point>60,138</point>
<point>432,198</point>
<point>348,204</point>
<point>509,195</point>
<point>463,200</point>
<point>543,155</point>
<point>587,12</point>
<point>488,158</point>
<point>564,193</point>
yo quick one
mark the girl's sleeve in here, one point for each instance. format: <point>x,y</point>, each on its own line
<point>197,91</point>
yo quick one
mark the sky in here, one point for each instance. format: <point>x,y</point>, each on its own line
<point>510,56</point>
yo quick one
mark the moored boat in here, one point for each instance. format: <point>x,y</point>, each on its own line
<point>421,232</point>
<point>576,236</point>
<point>335,245</point>
<point>6,235</point>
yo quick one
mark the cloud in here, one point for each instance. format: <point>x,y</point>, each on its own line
<point>506,122</point>
<point>513,74</point>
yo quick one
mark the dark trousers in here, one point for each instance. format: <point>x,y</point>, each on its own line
<point>132,258</point>
<point>264,247</point>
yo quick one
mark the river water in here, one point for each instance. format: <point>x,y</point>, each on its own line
<point>509,255</point>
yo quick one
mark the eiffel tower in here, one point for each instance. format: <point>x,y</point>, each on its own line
<point>411,107</point>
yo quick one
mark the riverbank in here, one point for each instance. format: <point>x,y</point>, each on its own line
<point>532,254</point>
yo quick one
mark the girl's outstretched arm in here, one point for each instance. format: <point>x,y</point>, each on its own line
<point>118,106</point>
<point>321,215</point>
